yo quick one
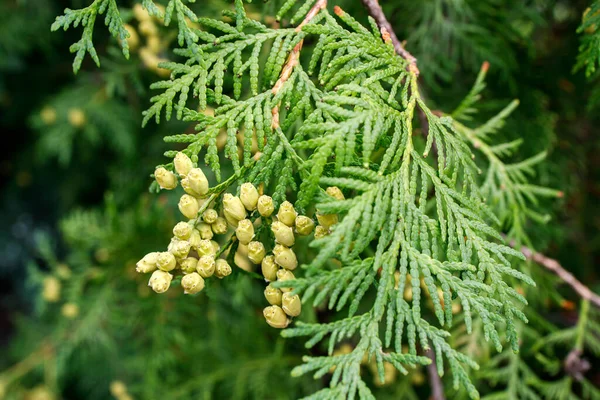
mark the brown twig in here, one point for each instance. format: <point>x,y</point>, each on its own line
<point>555,267</point>
<point>437,388</point>
<point>376,12</point>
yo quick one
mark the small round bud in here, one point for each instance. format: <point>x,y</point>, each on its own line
<point>48,115</point>
<point>256,252</point>
<point>188,205</point>
<point>265,205</point>
<point>182,230</point>
<point>147,28</point>
<point>183,164</point>
<point>192,283</point>
<point>321,231</point>
<point>206,266</point>
<point>285,275</point>
<point>160,281</point>
<point>210,216</point>
<point>63,271</point>
<point>286,213</point>
<point>205,230</point>
<point>70,310</point>
<point>51,289</point>
<point>327,220</point>
<point>335,192</point>
<point>233,207</point>
<point>188,265</point>
<point>273,295</point>
<point>185,184</point>
<point>219,227</point>
<point>222,268</point>
<point>276,317</point>
<point>195,238</point>
<point>283,233</point>
<point>269,268</point>
<point>165,179</point>
<point>165,261</point>
<point>140,13</point>
<point>76,117</point>
<point>206,248</point>
<point>249,196</point>
<point>285,257</point>
<point>180,248</point>
<point>304,225</point>
<point>147,263</point>
<point>118,389</point>
<point>197,181</point>
<point>244,231</point>
<point>291,304</point>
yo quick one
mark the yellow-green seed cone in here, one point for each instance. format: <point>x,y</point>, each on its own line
<point>327,220</point>
<point>195,238</point>
<point>165,179</point>
<point>197,181</point>
<point>205,230</point>
<point>285,275</point>
<point>219,227</point>
<point>188,265</point>
<point>245,231</point>
<point>206,248</point>
<point>265,206</point>
<point>249,196</point>
<point>286,213</point>
<point>210,216</point>
<point>283,233</point>
<point>51,289</point>
<point>233,207</point>
<point>321,231</point>
<point>160,281</point>
<point>273,295</point>
<point>147,263</point>
<point>304,225</point>
<point>188,205</point>
<point>256,252</point>
<point>182,230</point>
<point>285,257</point>
<point>182,163</point>
<point>269,268</point>
<point>185,184</point>
<point>166,261</point>
<point>192,283</point>
<point>206,266</point>
<point>335,192</point>
<point>180,248</point>
<point>291,305</point>
<point>222,268</point>
<point>276,317</point>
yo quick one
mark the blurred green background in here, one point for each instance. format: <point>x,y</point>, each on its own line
<point>75,206</point>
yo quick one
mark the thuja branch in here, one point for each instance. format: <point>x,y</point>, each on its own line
<point>376,12</point>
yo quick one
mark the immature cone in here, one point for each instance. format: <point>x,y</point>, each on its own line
<point>195,238</point>
<point>210,216</point>
<point>180,248</point>
<point>256,252</point>
<point>134,39</point>
<point>327,220</point>
<point>335,192</point>
<point>276,317</point>
<point>222,268</point>
<point>182,230</point>
<point>249,196</point>
<point>192,283</point>
<point>160,281</point>
<point>188,265</point>
<point>147,263</point>
<point>291,304</point>
<point>283,233</point>
<point>233,207</point>
<point>70,310</point>
<point>165,179</point>
<point>165,261</point>
<point>51,289</point>
<point>197,181</point>
<point>285,257</point>
<point>76,117</point>
<point>321,231</point>
<point>245,231</point>
<point>273,295</point>
<point>269,268</point>
<point>285,275</point>
<point>205,230</point>
<point>219,227</point>
<point>265,206</point>
<point>48,115</point>
<point>286,213</point>
<point>183,164</point>
<point>118,389</point>
<point>304,225</point>
<point>206,266</point>
<point>188,205</point>
<point>206,248</point>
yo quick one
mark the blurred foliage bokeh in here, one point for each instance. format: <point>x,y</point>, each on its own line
<point>75,319</point>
